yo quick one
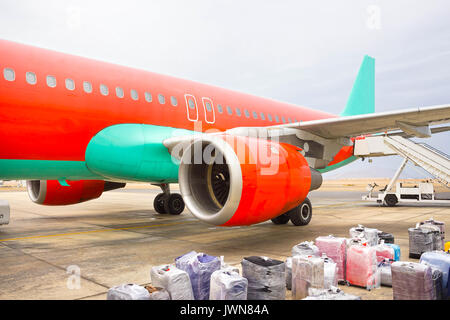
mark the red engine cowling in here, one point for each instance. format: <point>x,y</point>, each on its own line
<point>232,180</point>
<point>52,193</point>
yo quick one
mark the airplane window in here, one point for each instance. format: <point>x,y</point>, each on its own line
<point>148,97</point>
<point>31,77</point>
<point>134,94</point>
<point>9,74</point>
<point>238,112</point>
<point>247,114</point>
<point>229,110</point>
<point>283,119</point>
<point>190,101</point>
<point>262,116</point>
<point>104,90</point>
<point>208,106</point>
<point>70,84</point>
<point>255,115</point>
<point>161,99</point>
<point>219,108</point>
<point>119,92</point>
<point>277,119</point>
<point>87,86</point>
<point>173,101</point>
<point>51,81</point>
<point>269,117</point>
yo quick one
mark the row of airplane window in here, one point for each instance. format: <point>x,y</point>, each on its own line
<point>31,78</point>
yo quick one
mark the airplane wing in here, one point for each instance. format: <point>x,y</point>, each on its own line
<point>414,121</point>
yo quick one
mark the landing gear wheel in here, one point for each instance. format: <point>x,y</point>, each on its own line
<point>174,204</point>
<point>282,219</point>
<point>301,215</point>
<point>158,203</point>
<point>390,200</point>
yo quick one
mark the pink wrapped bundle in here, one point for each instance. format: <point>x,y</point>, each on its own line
<point>335,248</point>
<point>362,267</point>
<point>384,252</point>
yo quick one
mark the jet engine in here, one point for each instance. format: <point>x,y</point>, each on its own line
<point>52,193</point>
<point>231,180</point>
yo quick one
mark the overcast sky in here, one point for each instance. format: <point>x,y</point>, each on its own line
<point>302,52</point>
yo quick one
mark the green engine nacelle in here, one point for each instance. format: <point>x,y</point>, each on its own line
<point>133,152</point>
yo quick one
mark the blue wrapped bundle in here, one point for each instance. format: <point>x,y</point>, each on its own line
<point>441,261</point>
<point>397,253</point>
<point>199,267</point>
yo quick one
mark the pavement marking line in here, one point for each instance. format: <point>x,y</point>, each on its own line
<point>339,204</point>
<point>95,231</point>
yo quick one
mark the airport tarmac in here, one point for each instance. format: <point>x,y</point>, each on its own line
<point>118,237</point>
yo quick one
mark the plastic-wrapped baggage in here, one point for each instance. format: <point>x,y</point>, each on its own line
<point>157,293</point>
<point>386,237</point>
<point>329,294</point>
<point>307,272</point>
<point>335,248</point>
<point>288,264</point>
<point>384,252</point>
<point>128,292</point>
<point>174,280</point>
<point>370,234</point>
<point>330,272</point>
<point>227,285</point>
<point>441,261</point>
<point>224,265</point>
<point>266,278</point>
<point>362,267</point>
<point>412,281</point>
<point>440,225</point>
<point>306,248</point>
<point>422,240</point>
<point>199,266</point>
<point>397,252</point>
<point>384,267</point>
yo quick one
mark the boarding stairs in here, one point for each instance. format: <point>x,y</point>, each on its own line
<point>435,162</point>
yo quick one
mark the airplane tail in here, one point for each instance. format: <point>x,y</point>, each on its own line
<point>362,97</point>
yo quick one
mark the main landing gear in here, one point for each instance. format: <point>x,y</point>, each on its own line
<point>299,216</point>
<point>167,202</point>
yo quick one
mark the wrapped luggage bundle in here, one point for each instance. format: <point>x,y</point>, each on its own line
<point>224,265</point>
<point>441,261</point>
<point>397,252</point>
<point>384,252</point>
<point>332,293</point>
<point>335,248</point>
<point>199,267</point>
<point>386,237</point>
<point>288,264</point>
<point>157,293</point>
<point>384,267</point>
<point>128,292</point>
<point>422,240</point>
<point>307,272</point>
<point>330,272</point>
<point>306,248</point>
<point>174,280</point>
<point>413,281</point>
<point>266,278</point>
<point>370,234</point>
<point>440,226</point>
<point>227,285</point>
<point>362,267</point>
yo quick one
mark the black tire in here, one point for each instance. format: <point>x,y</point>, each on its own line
<point>282,219</point>
<point>174,204</point>
<point>301,215</point>
<point>390,200</point>
<point>158,203</point>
